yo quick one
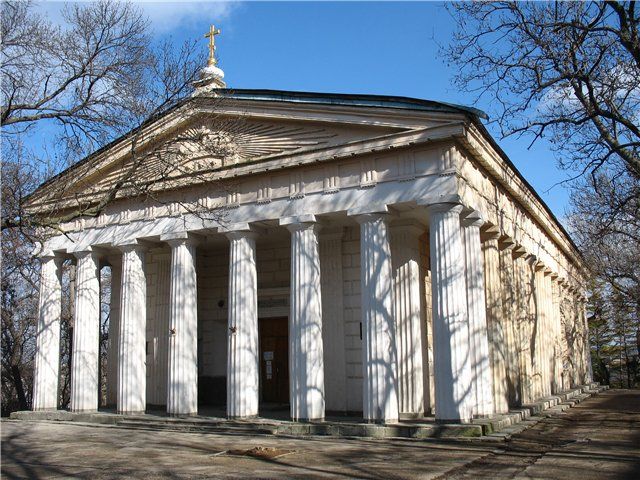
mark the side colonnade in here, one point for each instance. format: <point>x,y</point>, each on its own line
<point>506,328</point>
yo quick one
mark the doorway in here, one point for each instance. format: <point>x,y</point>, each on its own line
<point>274,359</point>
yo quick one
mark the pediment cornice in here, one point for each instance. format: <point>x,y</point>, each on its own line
<point>223,134</point>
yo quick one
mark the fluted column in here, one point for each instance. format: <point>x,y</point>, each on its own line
<point>409,317</point>
<point>379,356</point>
<point>243,362</point>
<point>556,344</point>
<point>333,336</point>
<point>86,334</point>
<point>454,396</point>
<point>540,315</point>
<point>547,334</point>
<point>565,338</point>
<point>482,381</point>
<point>588,373</point>
<point>132,375</point>
<point>47,358</point>
<point>510,316</point>
<point>526,319</point>
<point>114,332</point>
<point>306,363</point>
<point>182,375</point>
<point>496,324</point>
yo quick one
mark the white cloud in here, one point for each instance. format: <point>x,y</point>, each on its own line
<point>165,15</point>
<point>170,15</point>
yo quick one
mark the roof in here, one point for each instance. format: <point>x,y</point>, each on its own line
<point>356,100</point>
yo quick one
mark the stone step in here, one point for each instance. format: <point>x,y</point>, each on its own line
<point>496,427</point>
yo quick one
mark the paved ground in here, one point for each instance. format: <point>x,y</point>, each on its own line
<point>598,439</point>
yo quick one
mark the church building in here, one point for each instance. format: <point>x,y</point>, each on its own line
<point>340,254</point>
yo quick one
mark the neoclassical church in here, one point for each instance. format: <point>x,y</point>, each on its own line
<point>340,254</point>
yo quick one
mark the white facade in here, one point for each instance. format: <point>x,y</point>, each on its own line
<point>414,271</point>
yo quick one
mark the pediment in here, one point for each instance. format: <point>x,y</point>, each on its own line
<point>200,145</point>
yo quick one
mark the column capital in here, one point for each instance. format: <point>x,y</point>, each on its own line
<point>50,256</point>
<point>300,222</point>
<point>505,242</point>
<point>239,230</point>
<point>489,232</point>
<point>519,251</point>
<point>369,213</point>
<point>473,219</point>
<point>87,251</point>
<point>131,244</point>
<point>178,238</point>
<point>44,254</point>
<point>445,207</point>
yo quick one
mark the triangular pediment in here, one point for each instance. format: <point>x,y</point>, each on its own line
<point>202,141</point>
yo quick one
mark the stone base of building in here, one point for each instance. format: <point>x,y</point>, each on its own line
<point>497,426</point>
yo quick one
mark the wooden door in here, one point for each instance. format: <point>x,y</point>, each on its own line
<point>274,359</point>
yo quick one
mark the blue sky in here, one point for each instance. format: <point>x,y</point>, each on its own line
<point>387,48</point>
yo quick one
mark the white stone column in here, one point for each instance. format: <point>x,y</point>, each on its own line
<point>379,356</point>
<point>587,345</point>
<point>482,379</point>
<point>243,355</point>
<point>548,333</point>
<point>409,318</point>
<point>306,363</point>
<point>333,336</point>
<point>496,322</point>
<point>114,331</point>
<point>182,375</point>
<point>556,332</point>
<point>510,315</point>
<point>132,372</point>
<point>454,396</point>
<point>47,358</point>
<point>86,334</point>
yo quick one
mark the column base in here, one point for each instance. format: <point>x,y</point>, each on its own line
<point>242,417</point>
<point>483,415</point>
<point>178,415</point>
<point>456,420</point>
<point>308,420</point>
<point>380,421</point>
<point>410,415</point>
<point>46,409</point>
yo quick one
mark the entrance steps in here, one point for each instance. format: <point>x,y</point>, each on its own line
<point>498,427</point>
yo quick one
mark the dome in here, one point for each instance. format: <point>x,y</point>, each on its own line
<point>211,71</point>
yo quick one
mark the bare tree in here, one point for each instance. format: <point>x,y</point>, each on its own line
<point>605,221</point>
<point>566,70</point>
<point>66,90</point>
<point>90,80</point>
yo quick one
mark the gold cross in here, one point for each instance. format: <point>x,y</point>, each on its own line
<point>213,31</point>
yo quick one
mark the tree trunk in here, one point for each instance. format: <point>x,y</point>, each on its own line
<point>19,386</point>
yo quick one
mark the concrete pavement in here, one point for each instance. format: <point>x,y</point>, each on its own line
<point>597,439</point>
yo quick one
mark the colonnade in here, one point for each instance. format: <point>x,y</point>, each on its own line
<point>489,297</point>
